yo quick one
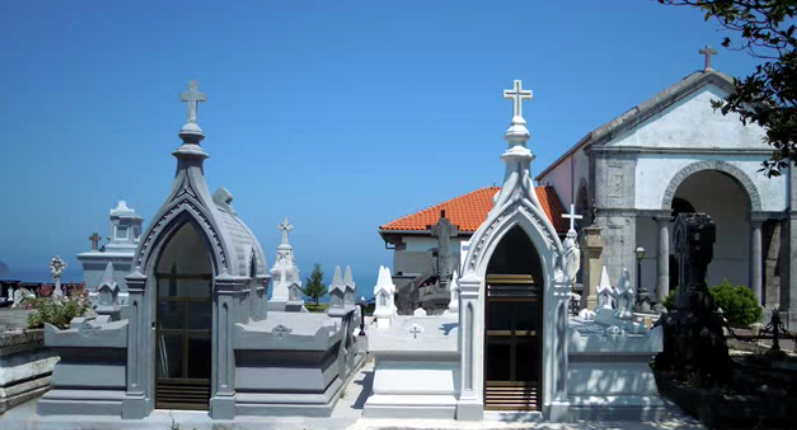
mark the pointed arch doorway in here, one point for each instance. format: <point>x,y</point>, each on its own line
<point>183,322</point>
<point>513,325</point>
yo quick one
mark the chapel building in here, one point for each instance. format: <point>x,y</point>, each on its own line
<point>671,154</point>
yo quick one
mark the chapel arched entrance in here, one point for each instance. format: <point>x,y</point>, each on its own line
<point>513,325</point>
<point>183,322</point>
<point>719,195</point>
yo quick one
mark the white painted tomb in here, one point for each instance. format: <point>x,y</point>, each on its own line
<point>508,345</point>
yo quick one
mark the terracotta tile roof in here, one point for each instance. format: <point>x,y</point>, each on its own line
<point>470,210</point>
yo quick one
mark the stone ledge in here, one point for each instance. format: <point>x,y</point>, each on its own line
<point>15,341</point>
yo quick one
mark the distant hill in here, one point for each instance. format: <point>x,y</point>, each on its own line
<point>4,271</point>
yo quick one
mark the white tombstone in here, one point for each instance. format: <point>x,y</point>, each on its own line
<point>420,312</point>
<point>284,272</point>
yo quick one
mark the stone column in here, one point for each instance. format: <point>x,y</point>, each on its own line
<point>756,258</point>
<point>134,404</point>
<point>592,249</point>
<point>222,401</point>
<point>469,404</point>
<point>663,261</point>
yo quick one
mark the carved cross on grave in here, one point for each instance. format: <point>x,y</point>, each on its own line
<point>193,97</point>
<point>444,231</point>
<point>572,216</point>
<point>281,331</point>
<point>285,227</point>
<point>517,94</point>
<point>707,51</point>
<point>95,241</point>
<point>415,330</point>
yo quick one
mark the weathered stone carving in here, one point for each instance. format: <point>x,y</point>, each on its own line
<point>693,337</point>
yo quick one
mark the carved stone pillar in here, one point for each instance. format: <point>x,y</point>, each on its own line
<point>663,260</point>
<point>469,404</point>
<point>134,404</point>
<point>756,258</point>
<point>226,290</point>
<point>592,249</point>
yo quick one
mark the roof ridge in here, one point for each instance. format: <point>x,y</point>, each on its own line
<point>439,204</point>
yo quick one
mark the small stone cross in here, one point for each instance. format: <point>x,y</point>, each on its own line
<point>708,51</point>
<point>415,331</point>
<point>281,331</point>
<point>517,94</point>
<point>572,216</point>
<point>193,97</point>
<point>285,227</point>
<point>95,241</point>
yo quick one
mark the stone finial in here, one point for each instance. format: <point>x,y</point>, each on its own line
<point>285,227</point>
<point>95,241</point>
<point>707,52</point>
<point>191,132</point>
<point>606,293</point>
<point>351,287</point>
<point>384,296</point>
<point>337,291</point>
<point>517,132</point>
<point>108,294</point>
<point>223,200</point>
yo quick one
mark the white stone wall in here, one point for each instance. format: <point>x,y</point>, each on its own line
<point>655,172</point>
<point>692,123</point>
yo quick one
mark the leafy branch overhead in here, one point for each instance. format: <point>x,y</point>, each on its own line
<point>768,96</point>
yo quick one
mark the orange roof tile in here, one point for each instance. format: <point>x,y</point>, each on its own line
<point>470,210</point>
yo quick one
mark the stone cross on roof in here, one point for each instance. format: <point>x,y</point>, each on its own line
<point>285,227</point>
<point>572,216</point>
<point>193,97</point>
<point>95,241</point>
<point>517,94</point>
<point>708,51</point>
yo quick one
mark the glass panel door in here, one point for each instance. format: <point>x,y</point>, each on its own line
<point>183,336</point>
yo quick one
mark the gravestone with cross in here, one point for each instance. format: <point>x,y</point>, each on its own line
<point>193,97</point>
<point>415,330</point>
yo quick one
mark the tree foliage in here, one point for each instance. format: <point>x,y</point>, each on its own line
<point>314,286</point>
<point>768,96</point>
<point>738,303</point>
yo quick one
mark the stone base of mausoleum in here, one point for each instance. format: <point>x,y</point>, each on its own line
<point>25,367</point>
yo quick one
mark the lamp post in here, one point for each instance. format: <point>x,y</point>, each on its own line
<point>642,301</point>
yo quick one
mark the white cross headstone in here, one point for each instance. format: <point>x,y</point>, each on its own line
<point>517,94</point>
<point>57,267</point>
<point>193,97</point>
<point>285,227</point>
<point>572,216</point>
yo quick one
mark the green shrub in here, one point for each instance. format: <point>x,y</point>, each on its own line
<point>738,303</point>
<point>58,312</point>
<point>669,301</point>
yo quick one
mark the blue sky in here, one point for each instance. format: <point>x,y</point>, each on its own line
<point>340,115</point>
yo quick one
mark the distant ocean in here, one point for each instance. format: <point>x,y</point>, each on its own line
<point>365,286</point>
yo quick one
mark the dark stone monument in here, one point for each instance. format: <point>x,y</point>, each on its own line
<point>693,336</point>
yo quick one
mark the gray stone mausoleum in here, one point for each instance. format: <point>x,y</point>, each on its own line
<point>196,332</point>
